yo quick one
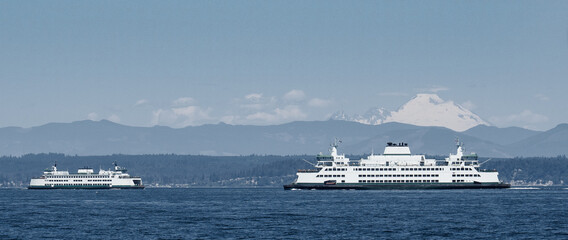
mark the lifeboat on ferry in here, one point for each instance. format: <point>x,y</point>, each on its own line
<point>330,182</point>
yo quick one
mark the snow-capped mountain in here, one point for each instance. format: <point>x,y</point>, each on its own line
<point>422,110</point>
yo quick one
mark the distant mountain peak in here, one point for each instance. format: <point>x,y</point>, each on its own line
<point>424,109</point>
<point>430,97</point>
<point>339,115</point>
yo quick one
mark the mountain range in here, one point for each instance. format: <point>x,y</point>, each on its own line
<point>303,137</point>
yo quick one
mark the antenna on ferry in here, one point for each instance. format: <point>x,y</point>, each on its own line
<point>333,147</point>
<point>460,144</point>
<point>336,142</point>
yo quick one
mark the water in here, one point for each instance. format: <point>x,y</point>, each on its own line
<point>530,213</point>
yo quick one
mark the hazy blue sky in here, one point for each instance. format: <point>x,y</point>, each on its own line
<point>179,63</point>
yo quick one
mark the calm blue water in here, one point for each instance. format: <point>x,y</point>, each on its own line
<point>275,213</point>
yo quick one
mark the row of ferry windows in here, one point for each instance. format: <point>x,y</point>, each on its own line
<point>461,169</point>
<point>63,180</point>
<point>398,181</point>
<point>466,175</point>
<point>101,180</point>
<point>402,169</point>
<point>330,176</point>
<point>79,176</point>
<point>401,175</point>
<point>79,184</point>
<point>389,169</point>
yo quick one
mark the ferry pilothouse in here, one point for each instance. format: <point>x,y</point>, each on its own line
<point>85,178</point>
<point>396,168</point>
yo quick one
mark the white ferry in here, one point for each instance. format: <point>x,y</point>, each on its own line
<point>85,178</point>
<point>396,168</point>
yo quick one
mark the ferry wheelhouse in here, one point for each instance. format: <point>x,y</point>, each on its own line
<point>85,178</point>
<point>396,168</point>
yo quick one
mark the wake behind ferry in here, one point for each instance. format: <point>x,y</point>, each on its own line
<point>85,178</point>
<point>396,168</point>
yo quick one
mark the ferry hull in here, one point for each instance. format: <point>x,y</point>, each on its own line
<point>85,187</point>
<point>402,186</point>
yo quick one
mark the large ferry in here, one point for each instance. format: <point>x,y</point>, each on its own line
<point>85,178</point>
<point>396,168</point>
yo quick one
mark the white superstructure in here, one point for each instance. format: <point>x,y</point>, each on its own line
<point>86,178</point>
<point>397,167</point>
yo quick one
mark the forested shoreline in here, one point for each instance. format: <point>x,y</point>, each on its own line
<point>171,170</point>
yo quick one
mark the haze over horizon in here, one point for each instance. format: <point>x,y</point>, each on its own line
<point>183,63</point>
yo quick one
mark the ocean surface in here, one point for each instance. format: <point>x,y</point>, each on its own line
<point>206,213</point>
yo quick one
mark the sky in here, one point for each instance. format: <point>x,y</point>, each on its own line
<point>188,63</point>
